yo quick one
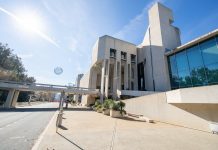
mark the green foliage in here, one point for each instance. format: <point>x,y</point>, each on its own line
<point>99,107</point>
<point>97,102</point>
<point>107,103</point>
<point>118,106</point>
<point>121,105</point>
<point>115,106</point>
<point>12,64</point>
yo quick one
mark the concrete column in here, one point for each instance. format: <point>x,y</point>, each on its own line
<point>107,77</point>
<point>115,81</point>
<point>126,76</point>
<point>102,81</point>
<point>130,76</point>
<point>118,75</point>
<point>15,97</point>
<point>9,98</point>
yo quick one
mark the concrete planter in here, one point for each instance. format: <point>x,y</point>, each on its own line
<point>115,114</point>
<point>214,127</point>
<point>106,112</point>
<point>99,110</point>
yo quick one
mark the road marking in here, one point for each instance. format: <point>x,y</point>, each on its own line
<point>36,145</point>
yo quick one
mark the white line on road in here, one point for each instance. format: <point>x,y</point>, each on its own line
<point>36,145</point>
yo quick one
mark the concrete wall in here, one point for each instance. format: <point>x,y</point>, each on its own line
<point>203,95</point>
<point>155,106</point>
<point>161,36</point>
<point>84,82</point>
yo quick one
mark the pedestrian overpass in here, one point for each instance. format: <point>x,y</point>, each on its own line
<point>15,87</point>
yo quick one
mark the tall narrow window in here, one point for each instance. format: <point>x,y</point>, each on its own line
<point>197,70</point>
<point>133,58</point>
<point>112,53</point>
<point>123,55</point>
<point>183,70</point>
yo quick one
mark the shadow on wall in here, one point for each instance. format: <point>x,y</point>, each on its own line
<point>204,111</point>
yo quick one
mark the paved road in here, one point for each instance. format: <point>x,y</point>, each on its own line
<point>20,128</point>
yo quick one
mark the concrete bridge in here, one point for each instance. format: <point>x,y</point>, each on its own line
<point>15,87</point>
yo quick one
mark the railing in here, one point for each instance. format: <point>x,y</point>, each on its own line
<point>26,85</point>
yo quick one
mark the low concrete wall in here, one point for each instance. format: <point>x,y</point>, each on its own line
<point>204,94</point>
<point>155,106</point>
<point>134,93</point>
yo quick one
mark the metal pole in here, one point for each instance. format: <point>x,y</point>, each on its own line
<point>60,115</point>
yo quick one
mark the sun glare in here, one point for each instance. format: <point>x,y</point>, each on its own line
<point>30,21</point>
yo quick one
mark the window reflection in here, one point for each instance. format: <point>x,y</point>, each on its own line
<point>195,66</point>
<point>212,73</point>
<point>209,51</point>
<point>184,79</point>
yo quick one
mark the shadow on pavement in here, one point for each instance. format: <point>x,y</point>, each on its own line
<point>63,127</point>
<point>70,141</point>
<point>26,109</point>
<point>131,119</point>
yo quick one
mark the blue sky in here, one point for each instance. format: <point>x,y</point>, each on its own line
<point>64,32</point>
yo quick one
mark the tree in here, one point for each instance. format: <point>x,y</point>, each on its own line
<point>11,67</point>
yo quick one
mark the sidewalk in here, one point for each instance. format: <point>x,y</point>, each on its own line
<point>90,130</point>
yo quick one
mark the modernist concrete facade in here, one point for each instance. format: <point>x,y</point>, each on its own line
<point>119,65</point>
<point>171,82</point>
<point>77,97</point>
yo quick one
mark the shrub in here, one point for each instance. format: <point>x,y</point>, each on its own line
<point>107,103</point>
<point>99,107</point>
<point>97,102</point>
<point>119,106</point>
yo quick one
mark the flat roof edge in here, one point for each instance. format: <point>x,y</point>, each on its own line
<point>193,42</point>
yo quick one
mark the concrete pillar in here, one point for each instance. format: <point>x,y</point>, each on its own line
<point>115,81</point>
<point>102,81</point>
<point>130,76</point>
<point>126,76</point>
<point>15,97</point>
<point>118,75</point>
<point>9,98</point>
<point>107,69</point>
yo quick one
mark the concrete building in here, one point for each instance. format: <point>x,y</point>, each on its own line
<point>171,82</point>
<point>119,66</point>
<point>77,97</point>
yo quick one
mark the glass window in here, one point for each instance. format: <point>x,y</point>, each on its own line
<point>184,79</point>
<point>198,76</point>
<point>194,57</point>
<point>212,73</point>
<point>123,55</point>
<point>182,61</point>
<point>209,51</point>
<point>174,81</point>
<point>133,58</point>
<point>112,53</point>
<point>172,64</point>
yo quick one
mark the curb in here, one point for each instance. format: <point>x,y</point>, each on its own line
<point>36,144</point>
